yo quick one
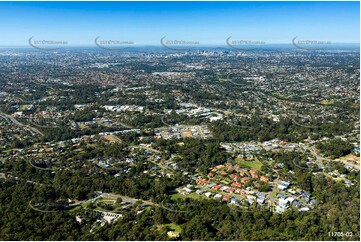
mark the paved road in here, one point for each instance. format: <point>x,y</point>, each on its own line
<point>318,158</point>
<point>128,199</point>
<point>42,126</point>
<point>115,196</point>
<point>270,194</point>
<point>17,123</point>
<point>149,149</point>
<point>169,169</point>
<point>126,125</point>
<point>22,179</point>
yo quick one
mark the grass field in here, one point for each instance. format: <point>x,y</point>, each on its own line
<point>349,156</point>
<point>327,102</point>
<point>279,95</point>
<point>174,227</point>
<point>171,226</point>
<point>345,160</point>
<point>9,150</point>
<point>74,209</point>
<point>253,164</point>
<point>104,199</point>
<point>192,195</point>
<point>112,138</point>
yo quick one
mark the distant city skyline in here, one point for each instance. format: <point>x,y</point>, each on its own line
<point>207,23</point>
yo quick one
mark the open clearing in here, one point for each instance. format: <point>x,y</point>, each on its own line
<point>251,164</point>
<point>191,195</point>
<point>351,160</point>
<point>171,226</point>
<point>112,138</point>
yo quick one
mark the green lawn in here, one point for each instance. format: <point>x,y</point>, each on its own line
<point>192,195</point>
<point>107,199</point>
<point>148,209</point>
<point>278,95</point>
<point>9,150</point>
<point>86,204</point>
<point>252,164</point>
<point>174,227</point>
<point>74,209</point>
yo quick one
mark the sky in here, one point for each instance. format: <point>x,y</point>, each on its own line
<point>209,23</point>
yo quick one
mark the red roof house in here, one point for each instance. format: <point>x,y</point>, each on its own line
<point>226,198</point>
<point>217,187</point>
<point>230,190</point>
<point>244,180</point>
<point>263,178</point>
<point>236,184</point>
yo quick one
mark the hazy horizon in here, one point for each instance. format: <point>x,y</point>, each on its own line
<point>209,23</point>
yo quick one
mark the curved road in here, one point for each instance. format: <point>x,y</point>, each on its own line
<point>17,123</point>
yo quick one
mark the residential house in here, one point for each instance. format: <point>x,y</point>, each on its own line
<point>234,177</point>
<point>208,194</point>
<point>217,187</point>
<point>296,203</point>
<point>185,190</point>
<point>236,184</point>
<point>304,209</point>
<point>244,180</point>
<point>234,200</point>
<point>230,190</point>
<point>283,202</point>
<point>224,188</point>
<point>306,195</point>
<point>313,202</point>
<point>283,185</point>
<point>217,196</point>
<point>199,192</point>
<point>280,209</point>
<point>264,179</point>
<point>238,191</point>
<point>226,198</point>
<point>241,173</point>
<point>220,167</point>
<point>254,173</point>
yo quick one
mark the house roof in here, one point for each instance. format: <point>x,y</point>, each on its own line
<point>217,186</point>
<point>236,184</point>
<point>261,195</point>
<point>226,197</point>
